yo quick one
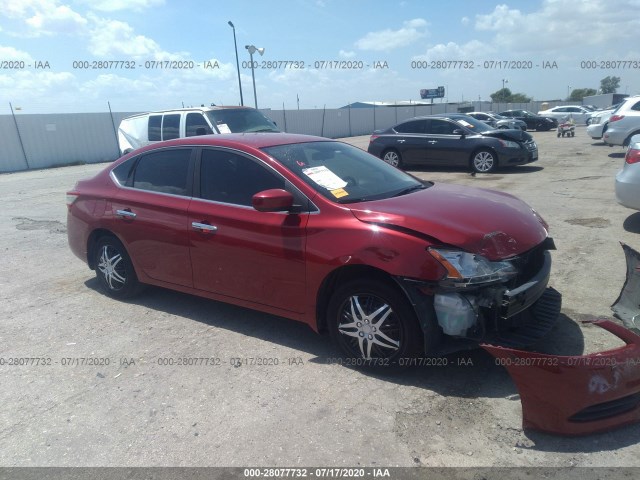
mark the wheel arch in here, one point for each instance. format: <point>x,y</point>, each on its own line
<point>345,274</point>
<point>627,140</point>
<point>92,241</point>
<point>480,148</point>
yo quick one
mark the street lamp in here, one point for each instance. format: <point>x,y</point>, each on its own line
<point>252,49</point>
<point>568,92</point>
<point>504,80</point>
<point>237,61</point>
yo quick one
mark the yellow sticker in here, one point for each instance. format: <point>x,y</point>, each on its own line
<point>339,193</point>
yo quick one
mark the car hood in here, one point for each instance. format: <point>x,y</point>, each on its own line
<point>510,134</point>
<point>490,223</point>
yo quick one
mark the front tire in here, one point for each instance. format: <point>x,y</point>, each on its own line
<point>393,158</point>
<point>373,325</point>
<point>484,161</point>
<point>114,269</point>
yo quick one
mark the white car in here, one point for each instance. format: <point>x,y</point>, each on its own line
<point>624,123</point>
<point>598,124</point>
<point>577,113</point>
<point>628,179</point>
<point>146,128</point>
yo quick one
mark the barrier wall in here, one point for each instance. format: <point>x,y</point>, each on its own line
<point>47,140</point>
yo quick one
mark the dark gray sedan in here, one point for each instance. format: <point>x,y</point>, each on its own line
<point>452,140</point>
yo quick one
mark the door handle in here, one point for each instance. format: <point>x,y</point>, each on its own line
<point>432,141</point>
<point>203,227</point>
<point>128,214</point>
<point>401,141</point>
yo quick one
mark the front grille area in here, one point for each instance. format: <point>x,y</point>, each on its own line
<point>528,264</point>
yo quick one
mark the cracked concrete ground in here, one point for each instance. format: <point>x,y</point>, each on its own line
<point>128,406</point>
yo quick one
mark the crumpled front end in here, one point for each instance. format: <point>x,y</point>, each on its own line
<point>577,395</point>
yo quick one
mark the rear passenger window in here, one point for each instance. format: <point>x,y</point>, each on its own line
<point>171,127</point>
<point>197,125</point>
<point>155,123</point>
<point>123,171</point>
<point>166,171</point>
<point>230,178</point>
<point>414,126</point>
<point>636,106</point>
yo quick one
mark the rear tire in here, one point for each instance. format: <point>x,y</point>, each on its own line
<point>114,269</point>
<point>393,158</point>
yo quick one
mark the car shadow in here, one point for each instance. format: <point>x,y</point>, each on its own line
<point>467,374</point>
<point>632,223</point>
<point>617,155</point>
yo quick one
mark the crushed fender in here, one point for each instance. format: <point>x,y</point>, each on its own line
<point>577,395</point>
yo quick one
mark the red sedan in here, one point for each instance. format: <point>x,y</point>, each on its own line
<point>321,232</point>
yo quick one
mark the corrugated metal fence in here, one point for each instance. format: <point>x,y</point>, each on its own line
<point>48,140</point>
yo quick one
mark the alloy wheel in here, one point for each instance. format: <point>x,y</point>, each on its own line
<point>369,327</point>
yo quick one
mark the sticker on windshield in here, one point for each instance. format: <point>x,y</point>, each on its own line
<point>464,123</point>
<point>325,177</point>
<point>224,128</point>
<point>339,192</point>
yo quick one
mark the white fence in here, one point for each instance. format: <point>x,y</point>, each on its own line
<point>49,140</point>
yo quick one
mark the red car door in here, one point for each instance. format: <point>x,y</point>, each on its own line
<point>150,215</point>
<point>237,251</point>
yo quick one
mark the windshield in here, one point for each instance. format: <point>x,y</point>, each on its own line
<point>343,173</point>
<point>472,124</point>
<point>240,120</point>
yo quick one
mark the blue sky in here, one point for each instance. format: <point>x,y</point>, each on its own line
<point>345,39</point>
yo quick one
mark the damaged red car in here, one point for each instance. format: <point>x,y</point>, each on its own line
<point>322,232</point>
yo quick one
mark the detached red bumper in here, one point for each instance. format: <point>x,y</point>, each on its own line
<point>577,395</point>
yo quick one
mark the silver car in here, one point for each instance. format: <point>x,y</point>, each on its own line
<point>498,121</point>
<point>628,179</point>
<point>624,123</point>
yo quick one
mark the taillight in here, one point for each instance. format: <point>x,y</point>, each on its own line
<point>373,137</point>
<point>615,118</point>
<point>632,156</point>
<point>71,197</point>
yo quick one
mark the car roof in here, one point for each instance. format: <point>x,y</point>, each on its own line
<point>192,109</point>
<point>234,140</point>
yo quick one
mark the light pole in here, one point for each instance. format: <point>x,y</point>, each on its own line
<point>568,92</point>
<point>237,61</point>
<point>252,49</point>
<point>504,80</point>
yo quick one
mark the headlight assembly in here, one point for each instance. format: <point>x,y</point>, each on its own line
<point>469,270</point>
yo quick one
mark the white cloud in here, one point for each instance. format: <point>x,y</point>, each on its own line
<point>10,53</point>
<point>453,51</point>
<point>385,40</point>
<point>558,26</point>
<point>116,5</point>
<point>116,38</point>
<point>43,17</point>
<point>32,85</point>
<point>465,21</point>
<point>346,54</point>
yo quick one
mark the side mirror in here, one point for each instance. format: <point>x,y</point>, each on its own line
<point>274,200</point>
<point>459,131</point>
<point>201,131</point>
